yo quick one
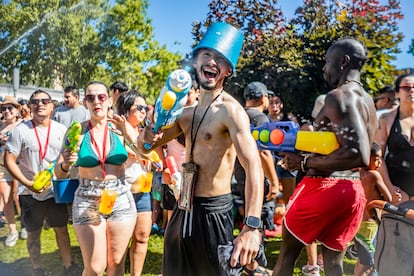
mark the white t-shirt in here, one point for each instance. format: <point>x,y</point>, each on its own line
<point>24,144</point>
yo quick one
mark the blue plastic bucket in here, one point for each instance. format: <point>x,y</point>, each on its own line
<point>225,39</point>
<point>64,190</point>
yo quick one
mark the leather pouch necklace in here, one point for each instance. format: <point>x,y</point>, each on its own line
<point>190,169</point>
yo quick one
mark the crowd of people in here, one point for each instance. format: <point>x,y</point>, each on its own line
<point>219,164</point>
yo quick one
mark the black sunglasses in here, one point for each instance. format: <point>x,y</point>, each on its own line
<point>406,88</point>
<point>91,97</point>
<point>37,101</point>
<point>141,107</point>
<point>5,108</point>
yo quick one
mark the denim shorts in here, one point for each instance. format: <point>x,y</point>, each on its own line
<point>85,207</point>
<point>143,202</point>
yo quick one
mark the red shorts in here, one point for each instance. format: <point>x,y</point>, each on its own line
<point>328,210</point>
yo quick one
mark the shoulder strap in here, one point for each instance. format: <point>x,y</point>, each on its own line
<point>397,117</point>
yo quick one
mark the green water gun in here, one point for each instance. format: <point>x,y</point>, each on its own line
<point>73,136</point>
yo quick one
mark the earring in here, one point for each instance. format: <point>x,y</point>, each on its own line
<point>342,68</point>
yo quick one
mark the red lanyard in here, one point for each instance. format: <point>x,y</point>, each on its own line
<point>102,156</point>
<point>42,154</point>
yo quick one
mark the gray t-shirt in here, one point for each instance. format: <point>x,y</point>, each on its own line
<point>24,144</point>
<point>67,116</point>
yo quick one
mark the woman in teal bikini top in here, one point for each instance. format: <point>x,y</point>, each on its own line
<point>102,238</point>
<point>87,157</point>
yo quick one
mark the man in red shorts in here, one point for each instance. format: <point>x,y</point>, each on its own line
<point>328,204</point>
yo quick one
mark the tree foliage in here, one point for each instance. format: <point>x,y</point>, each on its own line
<point>377,26</point>
<point>288,56</point>
<point>59,46</point>
<point>72,42</point>
<point>131,53</point>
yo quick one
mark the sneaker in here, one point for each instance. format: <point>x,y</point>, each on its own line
<point>73,270</point>
<point>38,272</point>
<point>11,239</point>
<point>310,270</point>
<point>154,229</point>
<point>23,234</point>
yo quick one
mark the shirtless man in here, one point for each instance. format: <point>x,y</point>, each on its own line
<point>216,130</point>
<point>328,203</point>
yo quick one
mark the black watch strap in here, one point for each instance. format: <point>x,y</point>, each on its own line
<point>253,222</point>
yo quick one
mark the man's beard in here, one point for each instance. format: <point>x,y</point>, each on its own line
<point>208,86</point>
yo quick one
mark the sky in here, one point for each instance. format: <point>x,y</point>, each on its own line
<point>172,23</point>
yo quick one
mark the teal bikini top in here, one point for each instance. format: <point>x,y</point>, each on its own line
<point>87,157</point>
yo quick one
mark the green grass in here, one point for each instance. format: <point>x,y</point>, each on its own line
<point>16,260</point>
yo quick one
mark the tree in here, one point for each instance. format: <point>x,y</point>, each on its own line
<point>377,26</point>
<point>130,52</point>
<point>51,42</point>
<point>288,56</point>
<point>73,42</point>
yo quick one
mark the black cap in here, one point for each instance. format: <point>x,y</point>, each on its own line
<point>255,90</point>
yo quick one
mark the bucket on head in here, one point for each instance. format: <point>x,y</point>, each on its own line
<point>64,190</point>
<point>225,39</point>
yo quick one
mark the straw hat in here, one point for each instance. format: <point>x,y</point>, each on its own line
<point>10,100</point>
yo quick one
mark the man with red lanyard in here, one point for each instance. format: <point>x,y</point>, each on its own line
<point>35,144</point>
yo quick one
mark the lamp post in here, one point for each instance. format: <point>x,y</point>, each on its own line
<point>16,80</point>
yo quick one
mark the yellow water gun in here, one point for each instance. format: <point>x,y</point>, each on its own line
<point>43,179</point>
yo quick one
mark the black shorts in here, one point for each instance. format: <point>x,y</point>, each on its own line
<point>36,211</point>
<point>190,244</point>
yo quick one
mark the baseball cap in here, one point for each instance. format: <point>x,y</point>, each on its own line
<point>255,90</point>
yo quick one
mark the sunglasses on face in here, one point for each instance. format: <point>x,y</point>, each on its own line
<point>37,101</point>
<point>91,97</point>
<point>5,108</point>
<point>142,107</point>
<point>406,88</point>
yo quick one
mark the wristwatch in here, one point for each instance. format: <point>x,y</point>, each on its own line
<point>253,222</point>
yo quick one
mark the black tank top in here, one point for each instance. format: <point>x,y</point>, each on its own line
<point>400,158</point>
